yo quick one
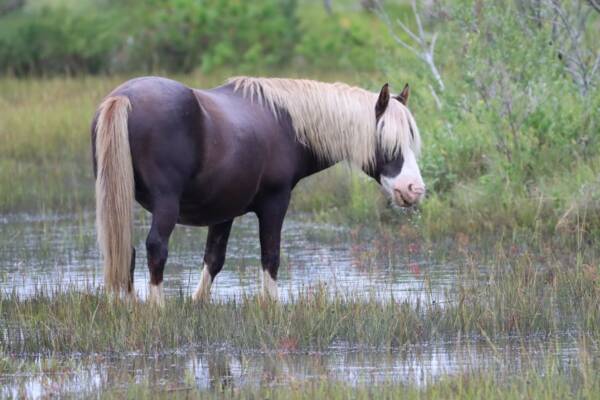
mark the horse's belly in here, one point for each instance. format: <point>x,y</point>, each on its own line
<point>207,214</point>
<point>209,204</point>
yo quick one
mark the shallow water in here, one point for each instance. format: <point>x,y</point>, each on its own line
<point>224,369</point>
<point>60,251</point>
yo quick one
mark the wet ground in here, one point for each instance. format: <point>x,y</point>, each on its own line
<point>59,251</point>
<point>223,369</point>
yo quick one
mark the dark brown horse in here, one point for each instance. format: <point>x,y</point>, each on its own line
<point>204,157</point>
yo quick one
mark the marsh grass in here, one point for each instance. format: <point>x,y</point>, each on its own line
<point>549,377</point>
<point>485,386</point>
<point>515,296</point>
<point>550,382</point>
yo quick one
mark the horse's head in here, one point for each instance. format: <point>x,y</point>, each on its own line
<point>396,169</point>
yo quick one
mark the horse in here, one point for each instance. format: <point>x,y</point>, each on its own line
<point>204,157</point>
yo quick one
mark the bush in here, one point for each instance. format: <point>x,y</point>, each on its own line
<point>512,120</point>
<point>179,35</point>
<point>341,40</point>
<point>56,40</point>
<point>105,36</point>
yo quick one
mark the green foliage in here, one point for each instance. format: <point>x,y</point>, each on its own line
<point>52,40</point>
<point>180,35</point>
<point>512,119</point>
<point>92,36</point>
<point>343,40</point>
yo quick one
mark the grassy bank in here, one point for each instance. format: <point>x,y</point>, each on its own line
<point>516,295</point>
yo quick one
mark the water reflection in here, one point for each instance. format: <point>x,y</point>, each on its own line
<point>224,369</point>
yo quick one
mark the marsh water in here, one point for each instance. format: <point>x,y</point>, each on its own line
<point>59,251</point>
<point>223,369</point>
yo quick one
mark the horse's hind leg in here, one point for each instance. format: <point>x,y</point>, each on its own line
<point>164,217</point>
<point>271,213</point>
<point>214,257</point>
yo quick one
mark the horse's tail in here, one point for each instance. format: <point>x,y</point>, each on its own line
<point>114,192</point>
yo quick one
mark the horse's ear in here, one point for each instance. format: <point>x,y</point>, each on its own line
<point>382,101</point>
<point>403,96</point>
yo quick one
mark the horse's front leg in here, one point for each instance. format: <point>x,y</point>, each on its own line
<point>214,258</point>
<point>270,220</point>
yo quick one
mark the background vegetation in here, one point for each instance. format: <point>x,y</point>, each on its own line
<point>511,125</point>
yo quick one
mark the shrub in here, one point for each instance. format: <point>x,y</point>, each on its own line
<point>179,35</point>
<point>56,40</point>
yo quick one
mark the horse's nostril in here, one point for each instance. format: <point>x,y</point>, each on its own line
<point>417,189</point>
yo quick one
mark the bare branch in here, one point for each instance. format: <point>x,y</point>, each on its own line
<point>432,44</point>
<point>595,4</point>
<point>386,19</point>
<point>417,19</point>
<point>328,6</point>
<point>569,27</point>
<point>436,98</point>
<point>596,65</point>
<point>421,48</point>
<point>408,31</point>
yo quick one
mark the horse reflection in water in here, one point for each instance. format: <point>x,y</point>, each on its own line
<point>204,157</point>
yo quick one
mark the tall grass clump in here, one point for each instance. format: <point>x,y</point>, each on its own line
<point>45,150</point>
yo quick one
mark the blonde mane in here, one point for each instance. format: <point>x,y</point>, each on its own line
<point>335,120</point>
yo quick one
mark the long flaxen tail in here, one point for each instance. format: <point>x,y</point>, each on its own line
<point>114,192</point>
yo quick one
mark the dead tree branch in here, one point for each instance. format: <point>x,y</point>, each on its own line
<point>421,47</point>
<point>595,4</point>
<point>570,25</point>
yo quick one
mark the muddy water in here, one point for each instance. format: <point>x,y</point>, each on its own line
<point>60,251</point>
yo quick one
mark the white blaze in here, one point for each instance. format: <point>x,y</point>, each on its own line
<point>410,172</point>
